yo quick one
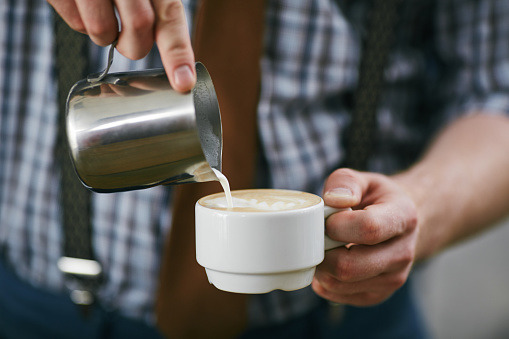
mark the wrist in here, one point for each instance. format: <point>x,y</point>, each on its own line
<point>418,185</point>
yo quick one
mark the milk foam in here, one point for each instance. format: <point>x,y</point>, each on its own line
<point>221,202</point>
<point>259,200</point>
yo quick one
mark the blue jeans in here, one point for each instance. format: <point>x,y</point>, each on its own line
<point>30,313</point>
<point>396,318</point>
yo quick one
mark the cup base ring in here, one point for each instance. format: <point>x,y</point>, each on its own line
<point>260,283</point>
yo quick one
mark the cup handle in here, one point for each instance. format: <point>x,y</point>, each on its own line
<point>328,242</point>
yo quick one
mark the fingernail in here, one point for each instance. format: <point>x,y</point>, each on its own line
<point>184,78</point>
<point>339,192</point>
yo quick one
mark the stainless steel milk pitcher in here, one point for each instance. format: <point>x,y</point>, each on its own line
<point>131,130</point>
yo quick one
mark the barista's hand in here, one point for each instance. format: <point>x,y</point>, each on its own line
<point>142,22</point>
<point>382,232</point>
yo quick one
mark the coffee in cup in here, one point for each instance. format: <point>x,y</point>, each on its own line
<point>261,200</point>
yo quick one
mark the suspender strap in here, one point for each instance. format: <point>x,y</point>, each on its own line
<point>382,22</point>
<point>82,271</point>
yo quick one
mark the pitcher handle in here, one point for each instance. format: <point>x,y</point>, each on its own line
<point>95,77</point>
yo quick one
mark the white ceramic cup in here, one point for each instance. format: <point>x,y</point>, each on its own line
<point>261,251</point>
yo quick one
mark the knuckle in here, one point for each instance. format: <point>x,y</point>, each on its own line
<point>346,172</point>
<point>375,298</point>
<point>99,30</point>
<point>345,271</point>
<point>365,299</point>
<point>170,11</point>
<point>131,53</point>
<point>409,216</point>
<point>177,48</point>
<point>369,298</point>
<point>407,255</point>
<point>77,25</point>
<point>143,21</point>
<point>380,178</point>
<point>370,231</point>
<point>398,281</point>
<point>412,219</point>
<point>328,283</point>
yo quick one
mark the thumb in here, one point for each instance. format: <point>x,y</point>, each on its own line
<point>343,188</point>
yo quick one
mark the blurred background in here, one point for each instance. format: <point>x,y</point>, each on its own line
<point>464,291</point>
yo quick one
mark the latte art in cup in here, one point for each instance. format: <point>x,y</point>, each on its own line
<point>271,239</point>
<point>261,200</point>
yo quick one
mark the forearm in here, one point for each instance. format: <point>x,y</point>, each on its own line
<point>461,185</point>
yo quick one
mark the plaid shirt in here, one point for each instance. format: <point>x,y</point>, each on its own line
<point>451,57</point>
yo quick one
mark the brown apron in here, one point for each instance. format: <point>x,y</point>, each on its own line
<point>228,40</point>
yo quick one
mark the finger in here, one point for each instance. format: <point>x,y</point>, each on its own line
<point>174,43</point>
<point>384,283</point>
<point>99,19</point>
<point>344,188</point>
<point>69,13</point>
<point>358,299</point>
<point>375,223</point>
<point>137,28</point>
<point>361,262</point>
<point>371,226</point>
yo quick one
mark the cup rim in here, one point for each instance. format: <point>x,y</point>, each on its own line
<point>297,210</point>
